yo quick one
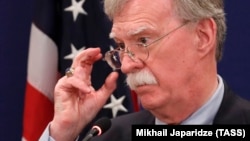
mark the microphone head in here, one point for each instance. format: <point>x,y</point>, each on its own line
<point>102,125</point>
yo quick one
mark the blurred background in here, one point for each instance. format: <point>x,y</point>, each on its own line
<point>15,23</point>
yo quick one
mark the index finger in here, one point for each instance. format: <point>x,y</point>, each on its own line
<point>87,57</point>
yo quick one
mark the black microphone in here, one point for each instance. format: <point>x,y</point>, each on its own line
<point>100,126</point>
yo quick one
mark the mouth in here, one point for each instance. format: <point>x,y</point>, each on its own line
<point>141,90</point>
<point>144,87</point>
<point>138,85</point>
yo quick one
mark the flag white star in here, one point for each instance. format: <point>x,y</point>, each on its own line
<point>116,105</point>
<point>74,52</point>
<point>76,8</point>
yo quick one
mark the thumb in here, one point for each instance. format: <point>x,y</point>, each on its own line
<point>109,86</point>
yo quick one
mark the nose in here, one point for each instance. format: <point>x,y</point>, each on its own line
<point>129,65</point>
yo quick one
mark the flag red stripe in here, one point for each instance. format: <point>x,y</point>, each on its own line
<point>38,111</point>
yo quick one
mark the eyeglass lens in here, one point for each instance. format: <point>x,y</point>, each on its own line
<point>114,57</point>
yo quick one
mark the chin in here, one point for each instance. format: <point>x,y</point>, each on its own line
<point>146,98</point>
<point>148,104</point>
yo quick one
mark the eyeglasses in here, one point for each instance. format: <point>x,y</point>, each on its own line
<point>113,57</point>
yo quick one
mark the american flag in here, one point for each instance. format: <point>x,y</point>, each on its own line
<point>60,30</point>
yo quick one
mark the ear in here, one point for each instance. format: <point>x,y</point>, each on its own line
<point>206,31</point>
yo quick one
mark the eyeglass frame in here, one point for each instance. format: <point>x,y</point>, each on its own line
<point>120,50</point>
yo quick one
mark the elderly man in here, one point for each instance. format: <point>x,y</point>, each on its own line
<point>169,51</point>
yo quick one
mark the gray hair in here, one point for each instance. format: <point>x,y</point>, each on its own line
<point>187,10</point>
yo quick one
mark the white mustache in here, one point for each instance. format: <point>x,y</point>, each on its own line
<point>140,78</point>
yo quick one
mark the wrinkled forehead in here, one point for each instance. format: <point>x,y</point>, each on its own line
<point>141,15</point>
<point>131,7</point>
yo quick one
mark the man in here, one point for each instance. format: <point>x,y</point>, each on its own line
<point>169,50</point>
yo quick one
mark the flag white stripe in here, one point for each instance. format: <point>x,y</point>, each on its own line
<point>42,62</point>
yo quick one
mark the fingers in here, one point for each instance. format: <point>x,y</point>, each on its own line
<point>75,96</point>
<point>87,57</point>
<point>110,83</point>
<point>74,83</point>
<point>81,76</point>
<point>82,67</point>
<point>80,79</point>
<point>109,86</point>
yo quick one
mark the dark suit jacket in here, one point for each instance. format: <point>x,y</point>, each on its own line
<point>233,110</point>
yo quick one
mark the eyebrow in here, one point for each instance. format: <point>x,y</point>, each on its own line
<point>137,31</point>
<point>131,32</point>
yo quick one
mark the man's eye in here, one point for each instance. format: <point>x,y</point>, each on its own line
<point>143,40</point>
<point>120,46</point>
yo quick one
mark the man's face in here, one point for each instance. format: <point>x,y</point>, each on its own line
<point>165,74</point>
